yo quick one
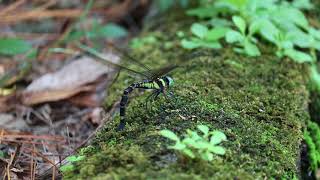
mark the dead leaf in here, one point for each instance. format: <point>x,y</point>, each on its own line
<point>94,97</point>
<point>77,76</point>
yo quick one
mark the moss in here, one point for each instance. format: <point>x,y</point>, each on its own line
<point>260,107</point>
<point>311,136</point>
<point>259,103</point>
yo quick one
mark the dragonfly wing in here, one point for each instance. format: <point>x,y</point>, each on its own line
<point>147,71</point>
<point>185,58</point>
<point>163,71</point>
<point>101,58</point>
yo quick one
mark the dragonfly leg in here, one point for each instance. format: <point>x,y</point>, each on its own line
<point>152,97</point>
<point>121,125</point>
<point>171,95</point>
<point>167,94</point>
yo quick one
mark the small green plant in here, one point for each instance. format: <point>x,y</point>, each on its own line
<point>246,41</point>
<point>139,42</point>
<point>280,22</point>
<point>311,137</point>
<point>69,166</point>
<point>204,37</point>
<point>13,46</point>
<point>285,47</point>
<point>110,31</point>
<point>195,145</point>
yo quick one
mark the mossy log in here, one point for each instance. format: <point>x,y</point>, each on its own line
<point>259,103</point>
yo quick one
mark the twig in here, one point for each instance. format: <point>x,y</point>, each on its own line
<point>12,7</point>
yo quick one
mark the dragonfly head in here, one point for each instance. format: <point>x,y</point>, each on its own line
<point>171,82</point>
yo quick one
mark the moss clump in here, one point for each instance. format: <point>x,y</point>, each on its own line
<point>259,103</point>
<point>260,107</point>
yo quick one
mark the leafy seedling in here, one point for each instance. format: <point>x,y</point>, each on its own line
<point>204,37</point>
<point>285,47</point>
<point>245,41</point>
<point>69,166</point>
<point>139,42</point>
<point>203,145</point>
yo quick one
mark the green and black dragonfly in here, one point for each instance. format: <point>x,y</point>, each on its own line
<point>157,80</point>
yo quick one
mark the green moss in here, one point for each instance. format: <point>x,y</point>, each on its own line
<point>259,103</point>
<point>261,108</point>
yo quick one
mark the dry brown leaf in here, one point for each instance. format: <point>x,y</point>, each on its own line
<point>77,76</point>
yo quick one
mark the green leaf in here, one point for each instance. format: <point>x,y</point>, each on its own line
<point>232,5</point>
<point>314,33</point>
<point>194,135</point>
<point>189,44</point>
<point>67,167</point>
<point>212,45</point>
<point>170,135</point>
<point>139,42</point>
<point>189,153</point>
<point>204,129</point>
<point>255,27</point>
<point>217,137</point>
<point>202,145</point>
<point>207,156</point>
<point>234,36</point>
<point>219,22</point>
<point>216,33</point>
<point>178,146</point>
<point>240,23</point>
<point>302,4</point>
<point>316,45</point>
<point>251,49</point>
<point>298,56</point>
<point>196,43</point>
<point>111,30</point>
<point>315,77</point>
<point>189,141</point>
<point>13,46</point>
<point>2,154</point>
<point>300,38</point>
<point>298,18</point>
<point>288,16</point>
<point>199,30</point>
<point>180,34</point>
<point>239,50</point>
<point>268,30</point>
<point>217,150</point>
<point>75,158</point>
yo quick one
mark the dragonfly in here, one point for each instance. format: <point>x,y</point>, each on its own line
<point>156,80</point>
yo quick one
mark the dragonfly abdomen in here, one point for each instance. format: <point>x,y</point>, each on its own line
<point>159,84</point>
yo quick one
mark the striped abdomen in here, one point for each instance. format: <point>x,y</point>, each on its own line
<point>158,84</point>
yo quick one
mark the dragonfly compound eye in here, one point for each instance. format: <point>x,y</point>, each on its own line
<point>171,82</point>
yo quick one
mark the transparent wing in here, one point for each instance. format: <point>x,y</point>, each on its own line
<point>98,56</point>
<point>147,71</point>
<point>177,63</point>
